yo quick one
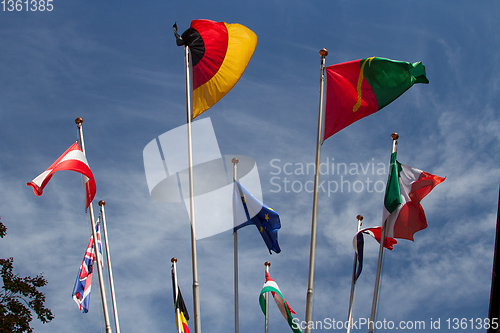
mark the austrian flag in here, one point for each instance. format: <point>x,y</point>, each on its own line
<point>73,159</point>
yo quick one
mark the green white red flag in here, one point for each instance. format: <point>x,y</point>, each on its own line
<point>286,311</point>
<point>358,88</point>
<point>406,187</point>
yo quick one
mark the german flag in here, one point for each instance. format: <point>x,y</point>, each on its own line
<point>220,52</point>
<point>358,88</point>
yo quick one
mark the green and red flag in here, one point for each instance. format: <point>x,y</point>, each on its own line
<point>220,52</point>
<point>285,309</point>
<point>358,88</point>
<point>406,187</point>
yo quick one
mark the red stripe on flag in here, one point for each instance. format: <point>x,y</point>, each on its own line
<point>215,39</point>
<point>342,95</point>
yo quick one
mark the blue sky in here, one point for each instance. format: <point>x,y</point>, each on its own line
<point>116,65</point>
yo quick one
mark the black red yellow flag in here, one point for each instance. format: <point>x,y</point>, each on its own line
<point>220,52</point>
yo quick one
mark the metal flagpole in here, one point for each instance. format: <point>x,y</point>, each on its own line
<point>196,294</point>
<point>494,308</point>
<point>309,301</point>
<point>371,324</point>
<point>267,264</point>
<point>78,122</point>
<point>101,204</point>
<point>235,256</point>
<point>353,281</point>
<point>176,294</point>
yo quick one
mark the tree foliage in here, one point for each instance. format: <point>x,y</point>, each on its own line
<point>18,296</point>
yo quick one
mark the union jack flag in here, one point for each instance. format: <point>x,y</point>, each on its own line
<point>83,283</point>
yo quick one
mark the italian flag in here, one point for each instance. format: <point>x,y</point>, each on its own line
<point>358,88</point>
<point>286,311</point>
<point>406,187</point>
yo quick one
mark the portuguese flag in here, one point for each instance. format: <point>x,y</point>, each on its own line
<point>406,187</point>
<point>359,88</point>
<point>220,52</point>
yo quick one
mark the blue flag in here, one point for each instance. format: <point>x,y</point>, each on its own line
<point>248,210</point>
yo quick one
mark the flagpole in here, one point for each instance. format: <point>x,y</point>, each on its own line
<point>78,122</point>
<point>394,137</point>
<point>194,260</point>
<point>494,308</point>
<point>176,294</point>
<point>353,280</point>
<point>235,257</point>
<point>267,264</point>
<point>309,301</point>
<point>101,204</point>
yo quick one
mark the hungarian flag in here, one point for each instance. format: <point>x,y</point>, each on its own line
<point>73,159</point>
<point>358,243</point>
<point>358,88</point>
<point>286,311</point>
<point>220,52</point>
<point>406,187</point>
<point>248,210</point>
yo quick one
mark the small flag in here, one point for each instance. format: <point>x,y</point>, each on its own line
<point>358,88</point>
<point>358,244</point>
<point>220,53</point>
<point>73,159</point>
<point>406,187</point>
<point>255,212</point>
<point>179,304</point>
<point>83,283</point>
<point>286,311</point>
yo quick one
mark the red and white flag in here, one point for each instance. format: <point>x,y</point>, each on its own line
<point>406,187</point>
<point>359,242</point>
<point>73,159</point>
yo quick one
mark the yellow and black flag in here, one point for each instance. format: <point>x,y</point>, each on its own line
<point>220,52</point>
<point>184,316</point>
<point>179,304</point>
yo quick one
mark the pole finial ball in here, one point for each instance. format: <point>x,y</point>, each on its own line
<point>173,260</point>
<point>323,52</point>
<point>394,136</point>
<point>359,217</point>
<point>78,121</point>
<point>267,264</point>
<point>101,203</point>
<point>235,160</point>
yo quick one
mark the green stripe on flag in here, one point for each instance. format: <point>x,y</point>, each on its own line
<point>390,78</point>
<point>392,193</point>
<point>262,301</point>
